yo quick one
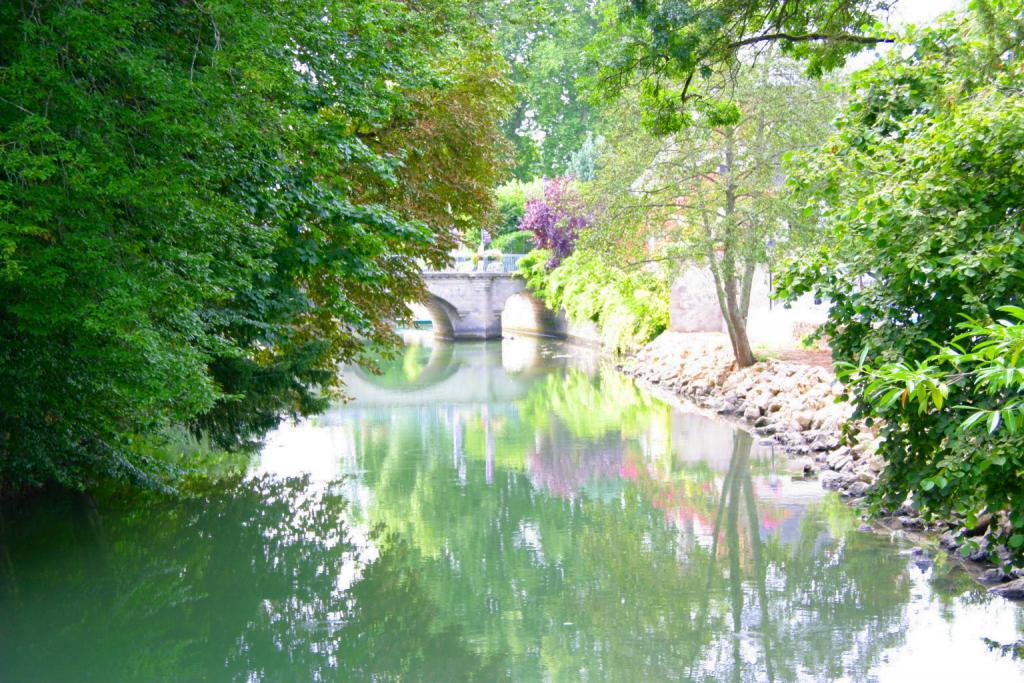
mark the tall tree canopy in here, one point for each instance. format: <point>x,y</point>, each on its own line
<point>545,43</point>
<point>199,215</point>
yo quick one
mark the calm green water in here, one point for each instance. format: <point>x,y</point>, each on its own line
<point>487,512</point>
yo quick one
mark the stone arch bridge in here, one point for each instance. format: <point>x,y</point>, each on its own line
<point>469,305</point>
<point>465,303</point>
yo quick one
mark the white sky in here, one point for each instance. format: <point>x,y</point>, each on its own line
<point>922,11</point>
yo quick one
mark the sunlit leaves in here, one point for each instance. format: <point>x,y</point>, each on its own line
<point>630,307</point>
<point>993,367</point>
<point>677,50</point>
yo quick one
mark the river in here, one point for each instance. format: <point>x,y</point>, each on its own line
<point>514,510</point>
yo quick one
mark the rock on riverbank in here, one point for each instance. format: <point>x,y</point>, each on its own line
<point>793,404</point>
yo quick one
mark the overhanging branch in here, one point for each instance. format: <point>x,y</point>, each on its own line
<point>810,37</point>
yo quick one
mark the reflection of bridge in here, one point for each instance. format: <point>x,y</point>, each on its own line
<point>458,374</point>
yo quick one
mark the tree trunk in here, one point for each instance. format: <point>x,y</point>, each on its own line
<point>733,292</point>
<point>746,286</point>
<point>737,326</point>
<point>735,322</point>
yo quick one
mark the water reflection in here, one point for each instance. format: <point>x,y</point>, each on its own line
<point>242,581</point>
<point>485,512</point>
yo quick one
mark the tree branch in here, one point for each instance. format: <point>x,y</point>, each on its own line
<point>810,37</point>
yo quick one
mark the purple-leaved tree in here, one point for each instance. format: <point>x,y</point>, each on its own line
<point>556,220</point>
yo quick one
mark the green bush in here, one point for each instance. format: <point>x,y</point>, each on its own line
<point>195,231</point>
<point>518,242</point>
<point>920,189</point>
<point>511,199</point>
<point>629,307</point>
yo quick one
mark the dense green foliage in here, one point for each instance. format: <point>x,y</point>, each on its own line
<point>629,307</point>
<point>709,196</point>
<point>991,371</point>
<point>921,192</point>
<point>545,43</point>
<point>676,52</point>
<point>518,242</point>
<point>979,459</point>
<point>198,209</point>
<point>511,201</point>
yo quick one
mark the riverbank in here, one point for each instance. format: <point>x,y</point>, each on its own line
<point>790,404</point>
<point>796,406</point>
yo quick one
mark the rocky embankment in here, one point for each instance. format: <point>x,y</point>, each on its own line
<point>794,405</point>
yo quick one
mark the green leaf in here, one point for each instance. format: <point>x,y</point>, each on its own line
<point>993,421</point>
<point>975,417</point>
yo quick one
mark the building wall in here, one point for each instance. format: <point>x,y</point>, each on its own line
<point>694,308</point>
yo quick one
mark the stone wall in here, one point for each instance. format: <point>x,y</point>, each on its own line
<point>694,307</point>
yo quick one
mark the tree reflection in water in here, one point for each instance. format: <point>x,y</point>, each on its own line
<point>567,534</point>
<point>254,580</point>
<point>571,528</point>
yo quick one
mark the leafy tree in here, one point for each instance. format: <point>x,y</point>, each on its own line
<point>511,199</point>
<point>557,219</point>
<point>518,242</point>
<point>452,152</point>
<point>713,195</point>
<point>583,163</point>
<point>920,191</point>
<point>198,210</point>
<point>672,51</point>
<point>545,43</point>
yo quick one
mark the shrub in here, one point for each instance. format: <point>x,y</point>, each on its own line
<point>629,307</point>
<point>518,242</point>
<point>557,219</point>
<point>920,189</point>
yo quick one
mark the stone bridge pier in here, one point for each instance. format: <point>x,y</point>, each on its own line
<point>469,305</point>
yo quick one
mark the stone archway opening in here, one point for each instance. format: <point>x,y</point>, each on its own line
<point>441,314</point>
<point>524,313</point>
<point>476,306</point>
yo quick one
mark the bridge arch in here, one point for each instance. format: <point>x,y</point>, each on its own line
<point>443,314</point>
<point>525,313</point>
<point>469,305</point>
